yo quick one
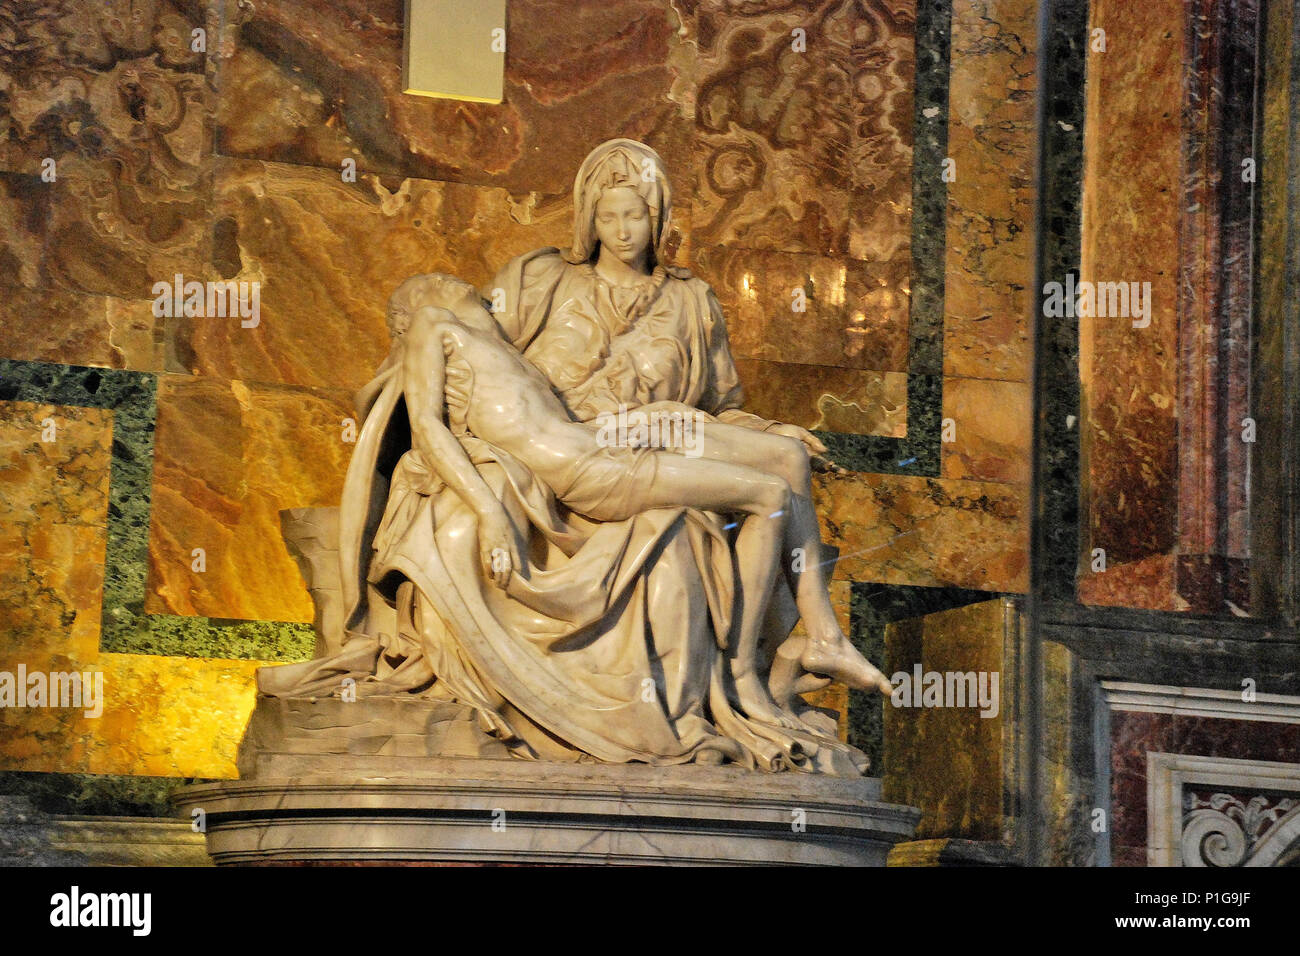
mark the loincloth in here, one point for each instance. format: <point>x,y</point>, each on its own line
<point>608,483</point>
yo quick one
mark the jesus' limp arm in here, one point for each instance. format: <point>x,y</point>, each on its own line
<point>424,386</point>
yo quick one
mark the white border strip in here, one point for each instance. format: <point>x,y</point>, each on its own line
<point>1200,702</point>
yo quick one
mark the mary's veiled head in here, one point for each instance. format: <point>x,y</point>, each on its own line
<point>620,163</point>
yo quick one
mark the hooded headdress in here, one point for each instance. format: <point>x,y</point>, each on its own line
<point>619,162</point>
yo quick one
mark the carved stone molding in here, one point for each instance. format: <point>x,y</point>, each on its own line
<point>1193,821</point>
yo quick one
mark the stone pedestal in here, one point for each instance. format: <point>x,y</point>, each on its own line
<point>401,809</point>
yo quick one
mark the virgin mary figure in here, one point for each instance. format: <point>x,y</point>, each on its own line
<point>663,638</point>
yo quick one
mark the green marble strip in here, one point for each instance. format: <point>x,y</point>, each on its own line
<point>1057,342</point>
<point>918,452</point>
<point>92,794</point>
<point>126,628</point>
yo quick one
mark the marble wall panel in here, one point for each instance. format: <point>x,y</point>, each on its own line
<point>991,199</point>
<point>53,498</point>
<point>827,399</point>
<point>42,322</point>
<point>107,88</point>
<point>992,430</point>
<point>925,531</point>
<point>1132,204</point>
<point>810,310</point>
<point>1133,735</point>
<point>882,58</point>
<point>774,125</point>
<point>1147,583</point>
<point>328,254</point>
<point>323,80</point>
<point>163,716</point>
<point>113,235</point>
<point>229,456</point>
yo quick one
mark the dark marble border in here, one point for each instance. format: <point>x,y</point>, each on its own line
<point>93,794</point>
<point>1056,380</point>
<point>125,627</point>
<point>918,453</point>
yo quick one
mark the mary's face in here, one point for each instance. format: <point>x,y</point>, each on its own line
<point>623,224</point>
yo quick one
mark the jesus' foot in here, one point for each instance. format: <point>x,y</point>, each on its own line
<point>833,655</point>
<point>757,703</point>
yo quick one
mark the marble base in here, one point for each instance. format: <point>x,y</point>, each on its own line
<point>951,853</point>
<point>394,809</point>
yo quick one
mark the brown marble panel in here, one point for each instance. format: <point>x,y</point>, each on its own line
<point>116,236</point>
<point>106,88</point>
<point>774,126</point>
<point>991,200</point>
<point>229,456</point>
<point>932,532</point>
<point>831,399</point>
<point>328,254</point>
<point>313,81</point>
<point>1132,202</point>
<point>43,323</point>
<point>1147,582</point>
<point>883,61</point>
<point>853,316</point>
<point>993,422</point>
<point>53,506</point>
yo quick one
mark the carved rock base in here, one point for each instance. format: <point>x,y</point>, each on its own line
<point>375,727</point>
<point>463,810</point>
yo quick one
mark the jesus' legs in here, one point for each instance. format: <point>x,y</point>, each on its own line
<point>765,498</point>
<point>827,651</point>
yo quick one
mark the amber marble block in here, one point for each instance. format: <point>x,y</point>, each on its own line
<point>812,310</point>
<point>54,473</point>
<point>925,531</point>
<point>991,430</point>
<point>229,456</point>
<point>327,255</point>
<point>991,196</point>
<point>828,399</point>
<point>948,760</point>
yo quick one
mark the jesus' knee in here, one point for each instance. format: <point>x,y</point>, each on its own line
<point>791,463</point>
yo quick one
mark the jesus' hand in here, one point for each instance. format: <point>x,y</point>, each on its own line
<point>497,545</point>
<point>816,449</point>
